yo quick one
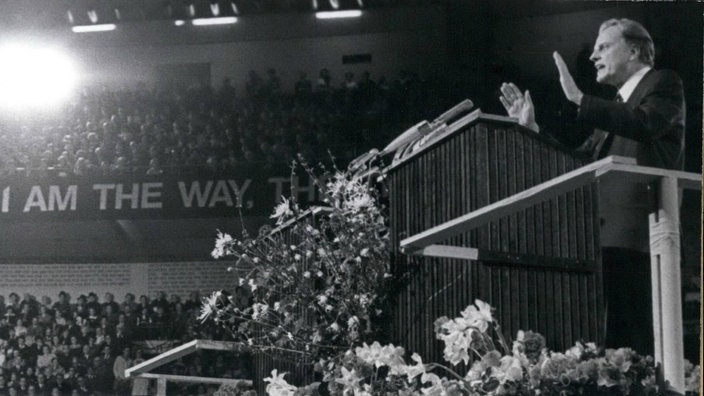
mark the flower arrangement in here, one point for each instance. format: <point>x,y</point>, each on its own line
<point>527,368</point>
<point>310,286</point>
<point>314,286</point>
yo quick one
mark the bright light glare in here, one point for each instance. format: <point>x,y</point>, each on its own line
<point>93,28</point>
<point>338,14</point>
<point>179,22</point>
<point>34,77</point>
<point>214,21</point>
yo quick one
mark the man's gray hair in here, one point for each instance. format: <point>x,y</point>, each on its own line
<point>635,34</point>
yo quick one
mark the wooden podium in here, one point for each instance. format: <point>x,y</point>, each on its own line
<point>493,211</point>
<point>539,266</point>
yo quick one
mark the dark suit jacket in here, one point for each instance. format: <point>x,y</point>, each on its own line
<point>649,126</point>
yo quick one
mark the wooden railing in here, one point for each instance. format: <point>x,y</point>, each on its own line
<point>142,370</point>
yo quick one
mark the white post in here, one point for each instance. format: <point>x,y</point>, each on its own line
<point>666,284</point>
<point>161,387</point>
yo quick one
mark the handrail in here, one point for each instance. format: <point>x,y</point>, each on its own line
<point>181,351</point>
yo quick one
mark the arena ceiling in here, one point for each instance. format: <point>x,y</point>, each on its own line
<point>23,14</point>
<point>47,14</point>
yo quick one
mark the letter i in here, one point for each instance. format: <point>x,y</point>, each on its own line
<point>6,200</point>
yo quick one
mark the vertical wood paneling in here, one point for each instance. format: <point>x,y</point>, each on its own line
<point>476,166</point>
<point>481,189</point>
<point>540,228</point>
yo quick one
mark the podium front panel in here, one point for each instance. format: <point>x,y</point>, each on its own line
<point>541,270</point>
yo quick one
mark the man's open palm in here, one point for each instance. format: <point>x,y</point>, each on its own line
<point>518,105</point>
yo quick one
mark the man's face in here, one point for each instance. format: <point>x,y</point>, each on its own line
<point>611,57</point>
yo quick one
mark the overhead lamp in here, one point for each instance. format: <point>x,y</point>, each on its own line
<point>34,76</point>
<point>338,14</point>
<point>215,9</point>
<point>235,10</point>
<point>93,16</point>
<point>214,21</point>
<point>93,28</point>
<point>179,22</point>
<point>335,4</point>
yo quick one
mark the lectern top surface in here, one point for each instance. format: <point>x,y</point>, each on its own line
<point>474,117</point>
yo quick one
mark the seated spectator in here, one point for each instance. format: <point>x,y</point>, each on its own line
<point>128,304</point>
<point>46,318</point>
<point>44,360</point>
<point>109,300</point>
<point>143,303</point>
<point>93,319</point>
<point>60,320</point>
<point>60,385</point>
<point>122,362</point>
<point>74,347</point>
<point>78,309</point>
<point>26,353</point>
<point>82,387</point>
<point>99,337</point>
<point>35,329</point>
<point>92,302</point>
<point>40,386</point>
<point>63,304</point>
<point>110,315</point>
<point>20,330</point>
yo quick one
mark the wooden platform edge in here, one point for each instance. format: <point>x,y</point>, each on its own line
<point>195,379</point>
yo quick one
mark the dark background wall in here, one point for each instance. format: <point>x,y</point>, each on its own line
<point>407,37</point>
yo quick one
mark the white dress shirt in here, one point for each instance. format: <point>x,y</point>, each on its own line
<point>630,85</point>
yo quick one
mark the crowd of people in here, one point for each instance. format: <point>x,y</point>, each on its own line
<point>171,129</point>
<point>83,347</point>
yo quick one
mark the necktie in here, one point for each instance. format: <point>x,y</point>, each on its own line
<point>606,138</point>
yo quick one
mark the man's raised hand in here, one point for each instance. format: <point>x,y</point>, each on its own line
<point>569,87</point>
<point>518,105</point>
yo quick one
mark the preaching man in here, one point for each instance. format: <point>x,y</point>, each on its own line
<point>645,121</point>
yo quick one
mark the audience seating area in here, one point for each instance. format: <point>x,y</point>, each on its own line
<point>81,346</point>
<point>196,129</point>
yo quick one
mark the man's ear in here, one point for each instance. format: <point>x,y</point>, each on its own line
<point>635,52</point>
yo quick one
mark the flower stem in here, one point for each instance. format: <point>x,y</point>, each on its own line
<point>450,371</point>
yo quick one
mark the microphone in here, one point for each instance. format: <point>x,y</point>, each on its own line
<point>360,161</point>
<point>419,130</point>
<point>459,108</point>
<point>424,128</point>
